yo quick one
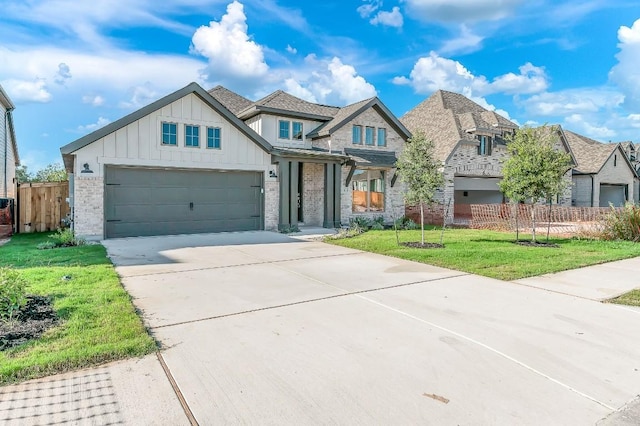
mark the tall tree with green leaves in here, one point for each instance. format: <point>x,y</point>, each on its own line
<point>54,172</point>
<point>420,172</point>
<point>534,169</point>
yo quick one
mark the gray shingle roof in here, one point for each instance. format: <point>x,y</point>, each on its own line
<point>590,154</point>
<point>280,101</point>
<point>341,115</point>
<point>372,158</point>
<point>447,117</point>
<point>231,100</point>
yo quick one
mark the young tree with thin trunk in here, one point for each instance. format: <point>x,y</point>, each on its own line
<point>420,172</point>
<point>535,168</point>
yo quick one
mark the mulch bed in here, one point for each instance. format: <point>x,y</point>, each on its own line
<point>36,317</point>
<point>536,244</point>
<point>424,246</point>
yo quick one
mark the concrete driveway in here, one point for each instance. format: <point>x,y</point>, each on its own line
<point>259,328</point>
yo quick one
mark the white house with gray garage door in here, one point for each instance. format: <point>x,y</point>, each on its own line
<point>604,174</point>
<point>197,161</point>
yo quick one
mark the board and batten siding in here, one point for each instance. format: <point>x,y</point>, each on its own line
<point>139,144</point>
<point>7,175</point>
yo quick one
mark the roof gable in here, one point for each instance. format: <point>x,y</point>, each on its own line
<point>194,88</point>
<point>349,112</point>
<point>592,155</point>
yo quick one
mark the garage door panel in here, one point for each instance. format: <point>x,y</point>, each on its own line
<point>163,202</point>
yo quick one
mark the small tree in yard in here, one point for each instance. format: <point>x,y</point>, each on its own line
<point>420,173</point>
<point>534,170</point>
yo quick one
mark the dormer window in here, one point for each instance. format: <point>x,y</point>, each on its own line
<point>484,145</point>
<point>290,130</point>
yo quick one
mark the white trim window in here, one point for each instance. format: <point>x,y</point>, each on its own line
<point>369,133</point>
<point>284,131</point>
<point>356,135</point>
<point>382,136</point>
<point>169,133</point>
<point>191,136</point>
<point>214,137</point>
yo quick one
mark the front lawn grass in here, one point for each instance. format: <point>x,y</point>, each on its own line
<point>98,320</point>
<point>493,254</point>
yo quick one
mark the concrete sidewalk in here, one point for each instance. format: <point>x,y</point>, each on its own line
<point>130,392</point>
<point>597,282</point>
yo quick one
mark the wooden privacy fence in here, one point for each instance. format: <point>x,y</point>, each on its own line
<point>42,206</point>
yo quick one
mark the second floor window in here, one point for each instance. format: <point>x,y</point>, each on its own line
<point>368,136</point>
<point>382,136</point>
<point>356,137</point>
<point>191,136</point>
<point>484,147</point>
<point>213,137</point>
<point>169,133</point>
<point>283,129</point>
<point>297,130</point>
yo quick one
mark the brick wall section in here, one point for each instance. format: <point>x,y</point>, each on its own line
<point>313,194</point>
<point>271,206</point>
<point>88,211</point>
<point>341,138</point>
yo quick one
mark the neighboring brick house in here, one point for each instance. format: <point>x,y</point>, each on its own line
<point>197,161</point>
<point>471,143</point>
<point>9,159</point>
<point>603,175</point>
<point>633,153</point>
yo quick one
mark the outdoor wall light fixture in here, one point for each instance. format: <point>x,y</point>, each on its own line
<point>272,173</point>
<point>86,168</point>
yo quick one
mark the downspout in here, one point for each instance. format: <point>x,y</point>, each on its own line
<point>593,190</point>
<point>7,115</point>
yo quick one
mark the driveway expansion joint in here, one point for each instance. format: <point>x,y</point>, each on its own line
<point>176,389</point>
<point>319,299</point>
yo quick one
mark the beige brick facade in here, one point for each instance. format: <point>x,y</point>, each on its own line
<point>271,200</point>
<point>313,194</point>
<point>88,211</point>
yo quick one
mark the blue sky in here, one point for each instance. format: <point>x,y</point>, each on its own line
<point>72,66</point>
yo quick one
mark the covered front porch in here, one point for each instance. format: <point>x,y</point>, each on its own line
<point>309,188</point>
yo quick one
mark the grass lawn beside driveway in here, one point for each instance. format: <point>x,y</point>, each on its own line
<point>98,322</point>
<point>494,254</point>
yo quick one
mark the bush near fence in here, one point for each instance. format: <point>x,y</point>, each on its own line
<point>6,225</point>
<point>503,216</point>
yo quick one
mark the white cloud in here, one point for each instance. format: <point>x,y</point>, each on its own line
<point>466,42</point>
<point>390,19</point>
<point>367,9</point>
<point>94,126</point>
<point>572,101</point>
<point>27,90</point>
<point>583,125</point>
<point>227,46</point>
<point>92,100</point>
<point>434,72</point>
<point>531,79</point>
<point>337,83</point>
<point>291,49</point>
<point>460,10</point>
<point>63,74</point>
<point>140,96</point>
<point>625,73</point>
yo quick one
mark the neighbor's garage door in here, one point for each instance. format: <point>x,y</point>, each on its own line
<point>163,202</point>
<point>614,194</point>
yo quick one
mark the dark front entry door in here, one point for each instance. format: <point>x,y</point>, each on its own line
<point>300,192</point>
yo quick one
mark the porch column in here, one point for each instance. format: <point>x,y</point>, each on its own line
<point>283,222</point>
<point>293,193</point>
<point>337,188</point>
<point>329,197</point>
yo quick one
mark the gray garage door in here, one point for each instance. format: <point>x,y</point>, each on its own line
<point>141,202</point>
<point>614,194</point>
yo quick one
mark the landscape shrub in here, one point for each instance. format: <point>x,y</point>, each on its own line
<point>12,293</point>
<point>406,223</point>
<point>622,224</point>
<point>64,237</point>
